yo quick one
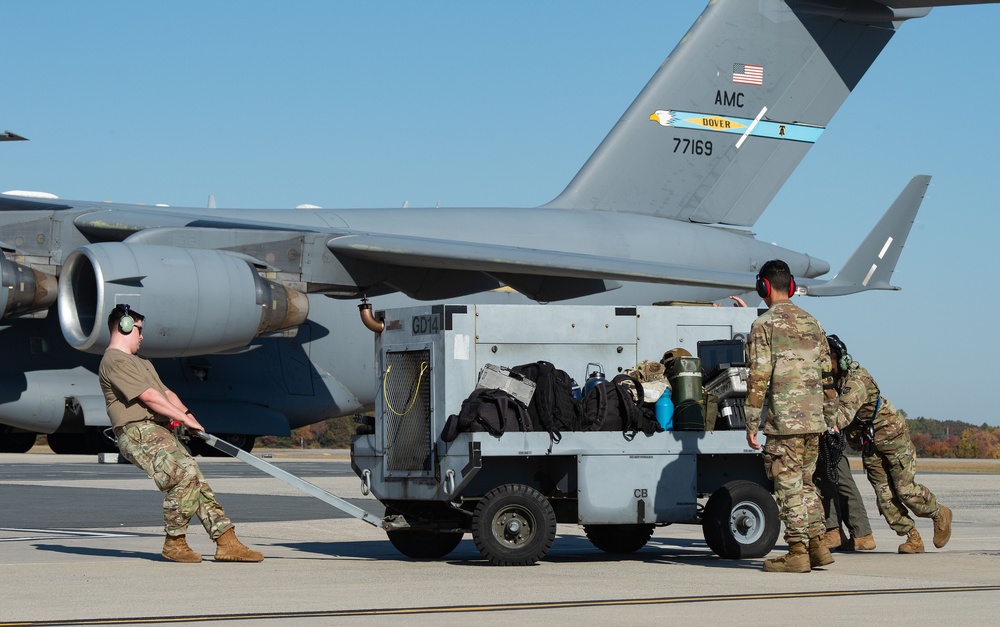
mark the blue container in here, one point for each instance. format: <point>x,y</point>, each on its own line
<point>595,377</point>
<point>665,411</point>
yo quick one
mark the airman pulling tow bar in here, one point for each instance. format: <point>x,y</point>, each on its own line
<point>292,480</point>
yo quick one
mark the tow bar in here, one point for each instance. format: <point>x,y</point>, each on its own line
<point>292,480</point>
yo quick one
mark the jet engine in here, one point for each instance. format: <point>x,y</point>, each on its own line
<point>23,289</point>
<point>195,301</point>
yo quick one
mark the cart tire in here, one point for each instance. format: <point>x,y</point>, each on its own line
<point>619,538</point>
<point>741,521</point>
<point>424,545</point>
<point>513,525</point>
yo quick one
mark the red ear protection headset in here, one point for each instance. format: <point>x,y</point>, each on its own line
<point>764,287</point>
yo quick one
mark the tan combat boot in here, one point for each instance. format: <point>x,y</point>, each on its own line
<point>230,549</point>
<point>831,539</point>
<point>864,543</point>
<point>795,561</point>
<point>819,554</point>
<point>176,549</point>
<point>913,543</point>
<point>942,527</point>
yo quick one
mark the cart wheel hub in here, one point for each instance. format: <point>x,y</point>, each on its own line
<point>744,525</point>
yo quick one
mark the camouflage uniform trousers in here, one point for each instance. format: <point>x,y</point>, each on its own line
<point>892,472</point>
<point>154,448</point>
<point>790,461</point>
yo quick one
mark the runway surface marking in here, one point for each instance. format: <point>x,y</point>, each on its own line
<point>506,607</point>
<point>48,534</point>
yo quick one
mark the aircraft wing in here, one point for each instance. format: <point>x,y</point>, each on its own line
<point>522,268</point>
<point>7,136</point>
<point>569,274</point>
<point>917,4</point>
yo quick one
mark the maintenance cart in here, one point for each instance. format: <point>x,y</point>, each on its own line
<point>510,491</point>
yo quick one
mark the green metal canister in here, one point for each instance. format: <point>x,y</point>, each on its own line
<point>684,374</point>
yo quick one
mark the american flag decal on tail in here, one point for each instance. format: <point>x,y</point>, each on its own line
<point>747,74</point>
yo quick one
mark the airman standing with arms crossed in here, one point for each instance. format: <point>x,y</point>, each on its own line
<point>790,367</point>
<point>141,407</point>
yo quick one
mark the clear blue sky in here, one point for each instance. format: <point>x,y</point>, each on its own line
<point>498,104</point>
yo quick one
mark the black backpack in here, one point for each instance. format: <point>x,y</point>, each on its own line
<point>610,406</point>
<point>553,407</point>
<point>490,410</point>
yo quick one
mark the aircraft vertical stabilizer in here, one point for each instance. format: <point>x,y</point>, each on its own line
<point>733,110</point>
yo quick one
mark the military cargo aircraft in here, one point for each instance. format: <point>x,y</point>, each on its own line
<point>252,315</point>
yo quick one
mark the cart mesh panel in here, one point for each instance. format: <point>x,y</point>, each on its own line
<point>407,408</point>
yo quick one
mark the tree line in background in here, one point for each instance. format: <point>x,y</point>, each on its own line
<point>932,438</point>
<point>954,439</point>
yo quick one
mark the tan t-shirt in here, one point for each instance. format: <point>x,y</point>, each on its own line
<point>123,378</point>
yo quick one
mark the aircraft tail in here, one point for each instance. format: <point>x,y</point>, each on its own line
<point>728,116</point>
<point>872,264</point>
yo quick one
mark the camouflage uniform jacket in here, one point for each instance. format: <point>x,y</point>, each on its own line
<point>859,395</point>
<point>789,361</point>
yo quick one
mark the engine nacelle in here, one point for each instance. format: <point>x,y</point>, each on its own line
<point>23,289</point>
<point>195,301</point>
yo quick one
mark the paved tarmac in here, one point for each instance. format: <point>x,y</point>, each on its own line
<point>80,543</point>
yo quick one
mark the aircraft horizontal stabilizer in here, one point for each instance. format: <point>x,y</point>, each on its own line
<point>511,264</point>
<point>872,264</point>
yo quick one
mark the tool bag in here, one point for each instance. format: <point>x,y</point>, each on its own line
<point>493,411</point>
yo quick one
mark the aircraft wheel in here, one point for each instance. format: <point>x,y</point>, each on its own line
<point>740,521</point>
<point>98,442</point>
<point>68,443</point>
<point>513,525</point>
<point>17,441</point>
<point>619,538</point>
<point>422,544</point>
<point>243,441</point>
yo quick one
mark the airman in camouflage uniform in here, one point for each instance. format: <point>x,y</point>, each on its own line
<point>789,364</point>
<point>140,407</point>
<point>876,428</point>
<point>844,506</point>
